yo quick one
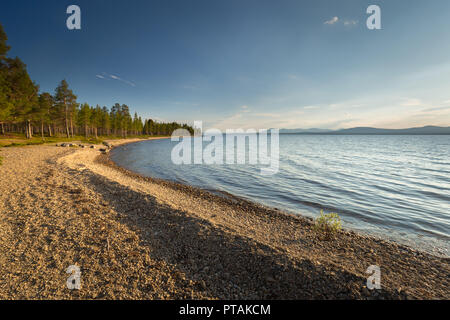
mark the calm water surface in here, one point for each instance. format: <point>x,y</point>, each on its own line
<point>396,187</point>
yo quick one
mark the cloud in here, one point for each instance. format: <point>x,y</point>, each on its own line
<point>107,76</point>
<point>267,115</point>
<point>436,109</point>
<point>372,111</point>
<point>310,107</point>
<point>332,20</point>
<point>411,103</point>
<point>123,80</point>
<point>347,22</point>
<point>350,22</point>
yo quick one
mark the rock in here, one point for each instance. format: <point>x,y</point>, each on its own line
<point>92,147</point>
<point>366,292</point>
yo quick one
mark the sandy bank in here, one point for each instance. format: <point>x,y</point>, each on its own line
<point>142,238</point>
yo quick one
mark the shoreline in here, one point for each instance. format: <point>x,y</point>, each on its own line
<point>221,193</point>
<point>199,245</point>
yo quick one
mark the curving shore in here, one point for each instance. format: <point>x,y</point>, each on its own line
<point>140,238</point>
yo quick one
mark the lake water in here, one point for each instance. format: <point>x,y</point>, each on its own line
<point>395,187</point>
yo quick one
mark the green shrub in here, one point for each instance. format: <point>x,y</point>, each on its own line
<point>327,225</point>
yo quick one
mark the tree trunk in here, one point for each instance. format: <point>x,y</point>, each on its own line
<point>3,129</point>
<point>27,129</point>
<point>71,126</point>
<point>67,120</point>
<point>42,129</point>
<point>49,131</point>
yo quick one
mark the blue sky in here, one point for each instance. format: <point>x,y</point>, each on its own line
<point>245,64</point>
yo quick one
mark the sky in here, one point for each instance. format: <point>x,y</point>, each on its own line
<point>244,64</point>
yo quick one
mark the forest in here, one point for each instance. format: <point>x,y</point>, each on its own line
<point>26,110</point>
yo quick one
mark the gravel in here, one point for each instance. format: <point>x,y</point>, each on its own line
<point>140,238</point>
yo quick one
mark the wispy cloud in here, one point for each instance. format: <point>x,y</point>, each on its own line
<point>436,109</point>
<point>268,115</point>
<point>114,77</point>
<point>350,22</point>
<point>346,22</point>
<point>106,76</point>
<point>310,107</point>
<point>412,102</point>
<point>332,20</point>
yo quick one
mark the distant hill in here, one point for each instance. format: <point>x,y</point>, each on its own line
<point>312,130</point>
<point>427,130</point>
<point>420,130</point>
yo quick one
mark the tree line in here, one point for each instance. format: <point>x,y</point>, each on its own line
<point>23,109</point>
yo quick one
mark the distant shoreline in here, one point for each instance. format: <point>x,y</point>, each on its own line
<point>427,130</point>
<point>364,134</point>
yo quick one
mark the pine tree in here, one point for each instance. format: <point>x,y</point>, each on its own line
<point>66,103</point>
<point>106,121</point>
<point>96,119</point>
<point>42,111</point>
<point>23,93</point>
<point>84,118</point>
<point>5,105</point>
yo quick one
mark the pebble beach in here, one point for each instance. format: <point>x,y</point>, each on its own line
<point>135,237</point>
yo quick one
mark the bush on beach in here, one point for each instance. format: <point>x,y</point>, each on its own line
<point>327,225</point>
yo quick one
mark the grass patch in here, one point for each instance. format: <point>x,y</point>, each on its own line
<point>18,140</point>
<point>92,140</point>
<point>327,225</point>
